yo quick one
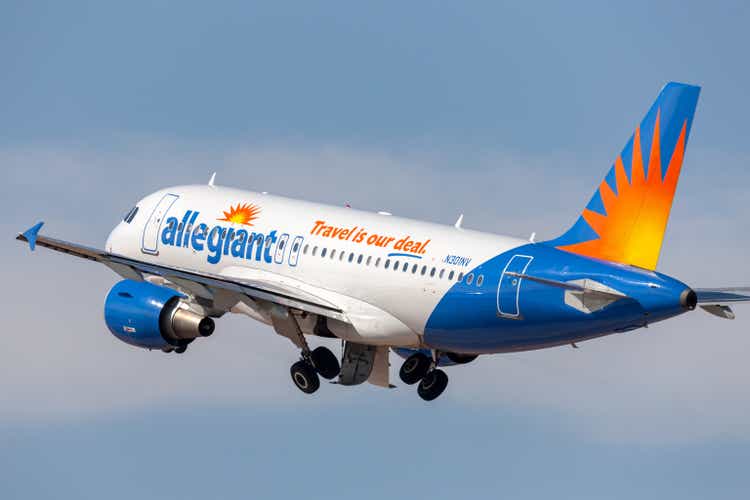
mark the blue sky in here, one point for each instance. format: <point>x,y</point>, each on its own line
<point>508,113</point>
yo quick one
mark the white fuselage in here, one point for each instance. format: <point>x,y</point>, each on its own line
<point>386,273</point>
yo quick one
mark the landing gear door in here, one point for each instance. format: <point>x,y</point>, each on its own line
<point>509,288</point>
<point>150,241</point>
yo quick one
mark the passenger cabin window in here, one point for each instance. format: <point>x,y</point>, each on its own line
<point>387,263</point>
<point>333,253</point>
<point>442,273</point>
<point>480,280</point>
<point>323,252</point>
<point>460,277</point>
<point>469,279</point>
<point>432,273</point>
<point>450,275</point>
<point>351,257</point>
<point>377,262</point>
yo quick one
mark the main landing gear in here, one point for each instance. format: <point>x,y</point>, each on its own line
<point>318,362</point>
<point>420,368</point>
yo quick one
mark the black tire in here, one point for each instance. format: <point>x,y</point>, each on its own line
<point>432,385</point>
<point>181,349</point>
<point>461,359</point>
<point>305,377</point>
<point>326,363</point>
<point>414,368</point>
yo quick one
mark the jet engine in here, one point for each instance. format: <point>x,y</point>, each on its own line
<point>153,317</point>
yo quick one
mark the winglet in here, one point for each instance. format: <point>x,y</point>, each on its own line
<point>212,179</point>
<point>30,235</point>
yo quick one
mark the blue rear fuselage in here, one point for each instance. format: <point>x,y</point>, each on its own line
<point>503,313</point>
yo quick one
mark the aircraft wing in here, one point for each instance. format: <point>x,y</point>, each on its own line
<point>193,281</point>
<point>716,300</point>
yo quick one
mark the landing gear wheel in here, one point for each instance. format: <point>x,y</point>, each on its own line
<point>326,363</point>
<point>181,349</point>
<point>461,359</point>
<point>305,377</point>
<point>414,368</point>
<point>432,385</point>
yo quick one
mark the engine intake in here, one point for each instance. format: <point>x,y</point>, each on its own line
<point>153,317</point>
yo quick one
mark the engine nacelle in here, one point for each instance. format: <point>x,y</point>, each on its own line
<point>149,316</point>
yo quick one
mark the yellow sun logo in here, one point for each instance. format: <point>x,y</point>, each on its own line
<point>243,213</point>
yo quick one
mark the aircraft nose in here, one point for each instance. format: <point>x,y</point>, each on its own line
<point>689,299</point>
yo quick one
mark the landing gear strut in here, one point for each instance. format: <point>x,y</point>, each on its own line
<point>320,361</point>
<point>419,368</point>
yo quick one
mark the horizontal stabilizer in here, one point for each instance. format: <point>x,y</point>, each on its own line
<point>720,311</point>
<point>582,286</point>
<point>716,300</point>
<point>585,295</point>
<point>718,296</point>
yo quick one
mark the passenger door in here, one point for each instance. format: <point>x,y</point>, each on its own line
<point>509,288</point>
<point>150,241</point>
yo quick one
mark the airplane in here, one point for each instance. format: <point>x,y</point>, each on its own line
<point>435,295</point>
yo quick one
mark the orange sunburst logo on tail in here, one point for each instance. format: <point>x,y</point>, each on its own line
<point>633,228</point>
<point>243,213</point>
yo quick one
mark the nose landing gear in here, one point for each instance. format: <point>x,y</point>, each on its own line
<point>419,368</point>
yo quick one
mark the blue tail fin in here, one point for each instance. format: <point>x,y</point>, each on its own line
<point>626,218</point>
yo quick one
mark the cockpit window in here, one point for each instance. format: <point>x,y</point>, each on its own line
<point>130,215</point>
